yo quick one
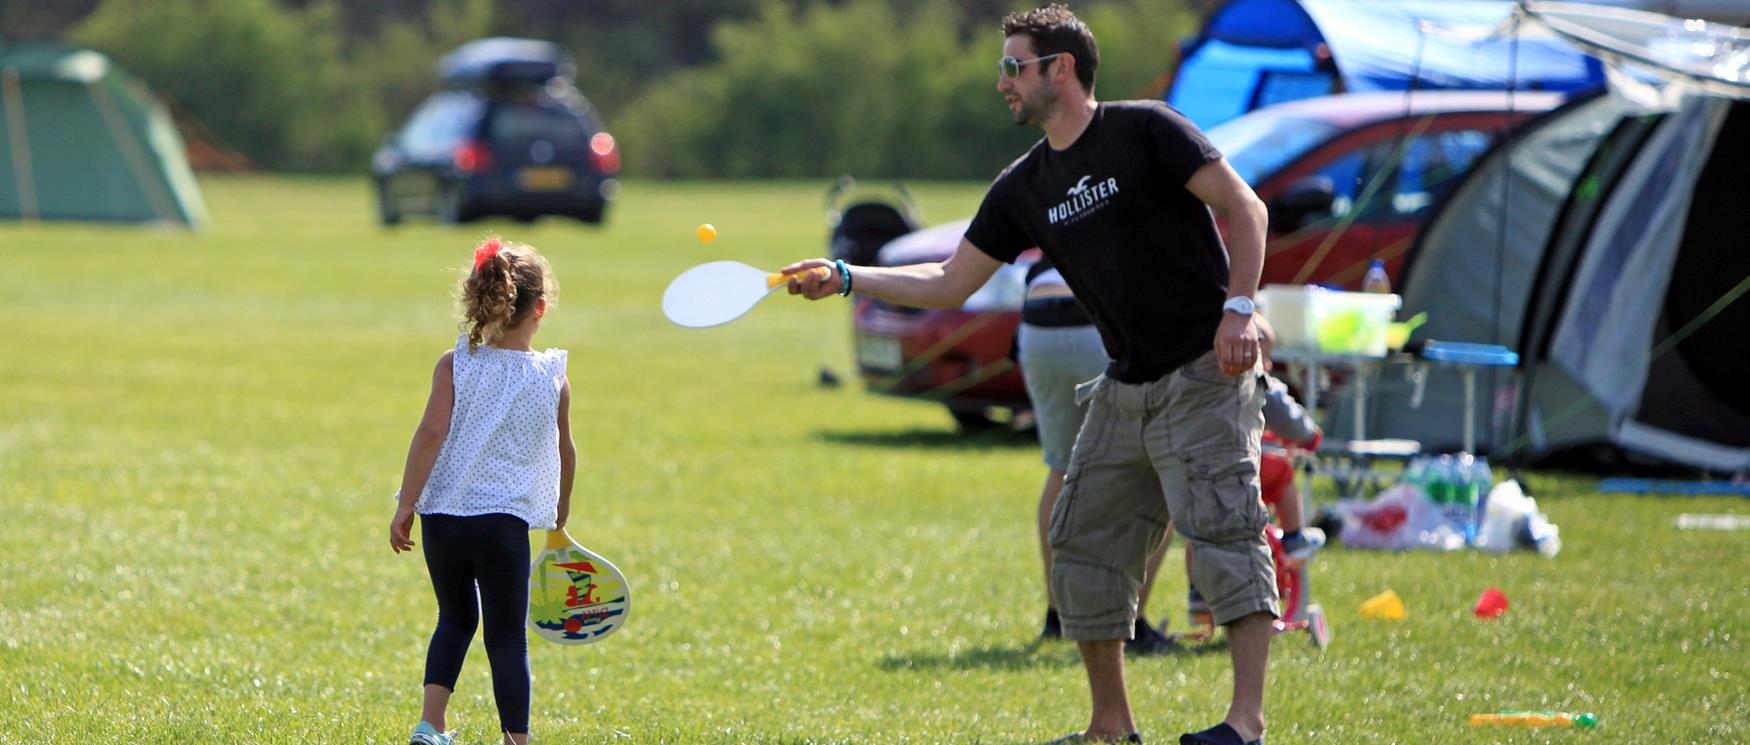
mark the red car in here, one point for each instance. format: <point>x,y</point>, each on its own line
<point>1347,178</point>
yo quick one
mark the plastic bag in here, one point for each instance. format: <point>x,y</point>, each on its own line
<point>1400,518</point>
<point>1511,520</point>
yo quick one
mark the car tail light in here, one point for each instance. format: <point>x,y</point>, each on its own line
<point>604,154</point>
<point>472,156</point>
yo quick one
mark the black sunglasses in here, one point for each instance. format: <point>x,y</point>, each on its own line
<point>1011,67</point>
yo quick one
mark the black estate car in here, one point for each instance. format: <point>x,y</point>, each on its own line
<point>509,134</point>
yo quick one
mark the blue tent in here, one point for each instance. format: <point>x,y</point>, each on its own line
<point>1253,53</point>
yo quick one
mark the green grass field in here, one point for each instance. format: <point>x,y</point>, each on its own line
<point>200,437</point>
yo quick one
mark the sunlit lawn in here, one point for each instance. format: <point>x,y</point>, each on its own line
<point>200,436</point>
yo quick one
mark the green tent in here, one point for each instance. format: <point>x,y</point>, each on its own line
<point>81,139</point>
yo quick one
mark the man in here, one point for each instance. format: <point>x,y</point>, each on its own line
<point>1119,197</point>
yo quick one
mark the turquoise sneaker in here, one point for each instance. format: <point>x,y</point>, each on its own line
<point>426,734</point>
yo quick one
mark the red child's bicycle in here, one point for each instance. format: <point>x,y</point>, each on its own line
<point>1293,589</point>
<point>1298,614</point>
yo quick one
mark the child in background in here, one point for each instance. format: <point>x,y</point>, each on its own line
<point>1059,348</point>
<point>1285,421</point>
<point>492,459</point>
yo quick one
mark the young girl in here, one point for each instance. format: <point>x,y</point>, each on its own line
<point>492,459</point>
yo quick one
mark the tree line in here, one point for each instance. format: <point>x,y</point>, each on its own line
<point>728,89</point>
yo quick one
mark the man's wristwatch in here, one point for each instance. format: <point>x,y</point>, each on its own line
<point>1242,305</point>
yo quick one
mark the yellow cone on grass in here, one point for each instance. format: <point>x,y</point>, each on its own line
<point>1385,606</point>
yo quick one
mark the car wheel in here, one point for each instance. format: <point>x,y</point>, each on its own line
<point>591,214</point>
<point>387,211</point>
<point>972,417</point>
<point>449,205</point>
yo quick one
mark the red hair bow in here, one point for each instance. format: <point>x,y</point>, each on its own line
<point>488,249</point>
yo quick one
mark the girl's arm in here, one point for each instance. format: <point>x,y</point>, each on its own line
<point>567,453</point>
<point>428,439</point>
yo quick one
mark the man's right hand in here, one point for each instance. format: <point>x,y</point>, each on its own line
<point>809,284</point>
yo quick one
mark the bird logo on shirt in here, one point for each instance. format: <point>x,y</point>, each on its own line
<point>1082,200</point>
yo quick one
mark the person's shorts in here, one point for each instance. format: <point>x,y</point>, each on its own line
<point>1054,360</point>
<point>1182,451</point>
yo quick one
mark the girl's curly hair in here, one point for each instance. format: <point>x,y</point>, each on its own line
<point>508,278</point>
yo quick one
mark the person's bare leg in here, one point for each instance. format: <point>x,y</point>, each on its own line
<point>1288,514</point>
<point>1104,661</point>
<point>1148,576</point>
<point>1047,502</point>
<point>1249,639</point>
<point>516,738</point>
<point>435,706</point>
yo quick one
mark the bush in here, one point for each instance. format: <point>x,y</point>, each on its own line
<point>280,84</point>
<point>831,89</point>
<point>268,80</point>
<point>856,88</point>
<point>876,88</point>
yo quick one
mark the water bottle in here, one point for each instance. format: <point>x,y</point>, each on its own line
<point>1484,479</point>
<point>1375,279</point>
<point>1461,510</point>
<point>1440,480</point>
<point>1464,489</point>
<point>1416,474</point>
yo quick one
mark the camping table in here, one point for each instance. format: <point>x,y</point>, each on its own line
<point>1311,365</point>
<point>1351,462</point>
<point>1348,463</point>
<point>1463,356</point>
<point>1467,358</point>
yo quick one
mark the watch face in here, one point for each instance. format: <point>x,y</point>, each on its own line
<point>1240,305</point>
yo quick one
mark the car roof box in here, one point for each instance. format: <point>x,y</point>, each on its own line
<point>503,59</point>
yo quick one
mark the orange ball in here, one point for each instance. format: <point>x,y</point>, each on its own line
<point>707,233</point>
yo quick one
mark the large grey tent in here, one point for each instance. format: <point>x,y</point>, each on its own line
<point>1608,243</point>
<point>81,139</point>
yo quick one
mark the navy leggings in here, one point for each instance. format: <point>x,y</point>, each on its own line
<point>490,552</point>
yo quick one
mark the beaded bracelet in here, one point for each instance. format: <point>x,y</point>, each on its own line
<point>844,277</point>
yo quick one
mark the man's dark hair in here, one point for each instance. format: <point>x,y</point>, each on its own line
<point>1053,30</point>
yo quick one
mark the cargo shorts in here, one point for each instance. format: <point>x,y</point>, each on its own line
<point>1182,450</point>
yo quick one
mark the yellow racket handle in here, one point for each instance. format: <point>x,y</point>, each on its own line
<point>774,279</point>
<point>557,539</point>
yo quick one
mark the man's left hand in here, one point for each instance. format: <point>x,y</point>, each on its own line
<point>1236,344</point>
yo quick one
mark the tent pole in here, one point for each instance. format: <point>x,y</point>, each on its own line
<point>1501,237</point>
<point>131,151</point>
<point>1470,408</point>
<point>20,141</point>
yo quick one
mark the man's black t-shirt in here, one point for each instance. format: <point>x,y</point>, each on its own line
<point>1140,251</point>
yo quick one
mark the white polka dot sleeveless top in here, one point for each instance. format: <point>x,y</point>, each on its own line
<point>502,452</point>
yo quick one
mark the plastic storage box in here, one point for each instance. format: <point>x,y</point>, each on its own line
<point>1314,319</point>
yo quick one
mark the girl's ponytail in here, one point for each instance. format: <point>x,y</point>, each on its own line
<point>507,281</point>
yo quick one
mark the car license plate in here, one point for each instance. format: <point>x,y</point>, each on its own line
<point>879,352</point>
<point>544,178</point>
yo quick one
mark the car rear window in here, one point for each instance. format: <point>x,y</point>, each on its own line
<point>527,122</point>
<point>1259,144</point>
<point>441,121</point>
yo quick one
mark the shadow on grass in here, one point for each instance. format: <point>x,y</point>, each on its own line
<point>1029,656</point>
<point>1009,657</point>
<point>933,439</point>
